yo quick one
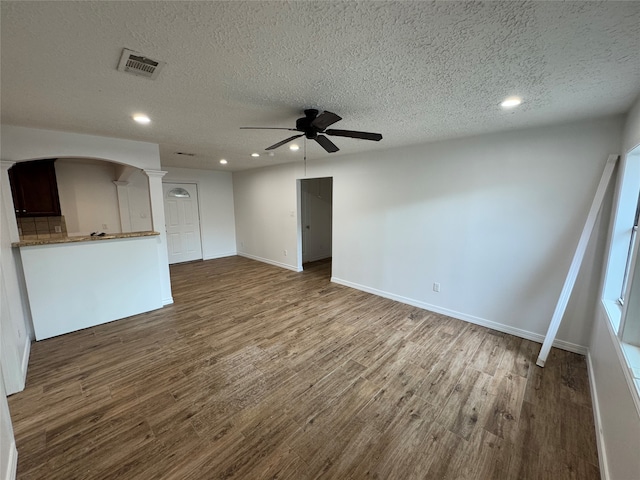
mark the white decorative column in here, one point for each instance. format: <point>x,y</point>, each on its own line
<point>123,205</point>
<point>158,224</point>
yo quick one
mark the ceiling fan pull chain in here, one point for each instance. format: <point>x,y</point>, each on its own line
<point>305,156</point>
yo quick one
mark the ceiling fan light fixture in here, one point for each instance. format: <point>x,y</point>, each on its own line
<point>255,154</point>
<point>511,102</point>
<point>294,147</point>
<point>223,162</point>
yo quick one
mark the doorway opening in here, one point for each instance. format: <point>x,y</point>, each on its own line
<point>182,218</point>
<point>315,226</point>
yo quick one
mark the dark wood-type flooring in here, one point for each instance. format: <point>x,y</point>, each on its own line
<point>260,373</point>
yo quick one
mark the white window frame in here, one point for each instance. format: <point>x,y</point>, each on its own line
<point>621,261</point>
<point>633,240</point>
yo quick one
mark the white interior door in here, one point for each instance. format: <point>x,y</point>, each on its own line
<point>182,222</point>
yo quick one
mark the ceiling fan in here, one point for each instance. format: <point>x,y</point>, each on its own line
<point>314,127</point>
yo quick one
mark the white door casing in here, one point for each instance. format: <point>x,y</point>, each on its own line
<point>182,222</point>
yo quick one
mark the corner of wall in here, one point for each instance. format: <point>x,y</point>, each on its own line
<point>597,420</point>
<point>8,452</point>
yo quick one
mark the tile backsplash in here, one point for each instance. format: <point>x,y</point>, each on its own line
<point>38,228</point>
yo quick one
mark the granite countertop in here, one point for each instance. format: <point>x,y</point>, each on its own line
<point>87,238</point>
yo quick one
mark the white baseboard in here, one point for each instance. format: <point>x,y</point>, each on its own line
<point>602,452</point>
<point>167,301</point>
<point>12,464</point>
<point>220,255</point>
<point>270,262</point>
<point>500,327</point>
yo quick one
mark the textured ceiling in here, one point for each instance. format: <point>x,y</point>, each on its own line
<point>413,71</point>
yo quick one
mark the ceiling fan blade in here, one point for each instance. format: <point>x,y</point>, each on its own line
<point>325,119</point>
<point>353,134</point>
<point>279,144</point>
<point>268,128</point>
<point>327,144</point>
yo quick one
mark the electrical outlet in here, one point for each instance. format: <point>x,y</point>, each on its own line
<point>58,229</point>
<point>242,244</point>
<point>436,287</point>
<point>104,226</point>
<point>285,253</point>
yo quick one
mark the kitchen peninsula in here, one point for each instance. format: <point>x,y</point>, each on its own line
<point>79,282</point>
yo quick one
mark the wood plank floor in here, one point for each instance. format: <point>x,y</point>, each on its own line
<point>260,373</point>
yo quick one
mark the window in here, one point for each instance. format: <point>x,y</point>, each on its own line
<point>621,289</point>
<point>628,265</point>
<point>178,193</point>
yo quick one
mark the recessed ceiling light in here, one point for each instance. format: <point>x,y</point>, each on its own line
<point>511,102</point>
<point>255,154</point>
<point>223,161</point>
<point>141,118</point>
<point>294,147</point>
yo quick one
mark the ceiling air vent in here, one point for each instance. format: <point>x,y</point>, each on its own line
<point>137,64</point>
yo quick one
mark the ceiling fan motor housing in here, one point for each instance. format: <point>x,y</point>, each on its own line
<point>304,124</point>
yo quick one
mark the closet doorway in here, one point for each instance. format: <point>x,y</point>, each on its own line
<point>316,209</point>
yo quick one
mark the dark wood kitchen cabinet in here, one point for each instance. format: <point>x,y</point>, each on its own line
<point>35,189</point>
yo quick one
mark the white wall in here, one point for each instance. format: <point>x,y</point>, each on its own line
<point>215,197</point>
<point>617,413</point>
<point>128,283</point>
<point>265,202</point>
<point>618,420</point>
<point>8,452</point>
<point>139,207</point>
<point>88,197</point>
<point>631,136</point>
<point>494,219</point>
<point>22,143</point>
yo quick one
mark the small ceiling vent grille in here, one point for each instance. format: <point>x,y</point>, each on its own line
<point>136,64</point>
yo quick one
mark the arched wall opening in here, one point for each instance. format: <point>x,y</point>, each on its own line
<point>95,196</point>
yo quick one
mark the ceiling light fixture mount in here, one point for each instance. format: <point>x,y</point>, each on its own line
<point>511,102</point>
